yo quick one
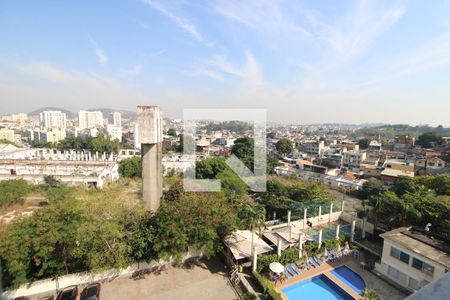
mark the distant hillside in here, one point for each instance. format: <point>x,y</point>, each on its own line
<point>68,113</point>
<point>126,114</point>
<point>389,131</point>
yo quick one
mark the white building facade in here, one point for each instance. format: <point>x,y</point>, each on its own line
<point>89,119</point>
<point>52,119</point>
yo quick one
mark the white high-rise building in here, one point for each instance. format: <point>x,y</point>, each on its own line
<point>115,118</point>
<point>89,119</point>
<point>115,132</point>
<point>53,119</point>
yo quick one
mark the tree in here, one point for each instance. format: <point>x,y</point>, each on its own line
<point>51,181</point>
<point>370,294</point>
<point>364,143</point>
<point>252,217</point>
<point>12,191</point>
<point>172,132</point>
<point>429,139</point>
<point>243,148</point>
<point>231,183</point>
<point>71,235</point>
<point>284,146</point>
<point>372,187</point>
<point>272,135</point>
<point>441,184</point>
<point>403,185</point>
<point>209,168</point>
<point>131,167</point>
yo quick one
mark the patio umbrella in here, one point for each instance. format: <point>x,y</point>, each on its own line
<point>276,267</point>
<point>338,249</point>
<point>325,253</point>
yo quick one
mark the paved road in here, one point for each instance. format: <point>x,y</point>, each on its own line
<point>206,281</point>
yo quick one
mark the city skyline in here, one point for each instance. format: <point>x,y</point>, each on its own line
<point>353,62</point>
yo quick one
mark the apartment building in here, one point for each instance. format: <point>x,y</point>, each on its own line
<point>353,159</point>
<point>50,119</point>
<point>89,119</point>
<point>412,258</point>
<point>313,147</point>
<point>115,118</point>
<point>7,134</point>
<point>47,136</point>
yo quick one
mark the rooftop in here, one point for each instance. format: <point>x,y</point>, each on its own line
<point>417,242</point>
<point>240,244</point>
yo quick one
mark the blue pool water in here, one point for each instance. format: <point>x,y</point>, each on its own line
<point>317,288</point>
<point>350,278</point>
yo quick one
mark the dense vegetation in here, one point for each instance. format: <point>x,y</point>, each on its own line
<point>101,143</point>
<point>295,196</point>
<point>429,139</point>
<point>233,126</point>
<point>243,148</point>
<point>411,202</point>
<point>390,131</point>
<point>12,191</point>
<point>284,146</point>
<point>131,167</point>
<point>90,230</point>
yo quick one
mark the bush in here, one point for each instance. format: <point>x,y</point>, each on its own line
<point>12,191</point>
<point>267,286</point>
<point>264,261</point>
<point>249,296</point>
<point>131,167</point>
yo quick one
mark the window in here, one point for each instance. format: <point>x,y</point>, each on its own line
<point>422,266</point>
<point>396,274</point>
<point>400,255</point>
<point>414,284</point>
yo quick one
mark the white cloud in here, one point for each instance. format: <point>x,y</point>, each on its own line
<point>250,72</point>
<point>180,21</point>
<point>135,70</point>
<point>38,83</point>
<point>359,28</point>
<point>101,55</point>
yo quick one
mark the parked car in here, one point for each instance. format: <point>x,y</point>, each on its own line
<point>69,293</point>
<point>91,292</point>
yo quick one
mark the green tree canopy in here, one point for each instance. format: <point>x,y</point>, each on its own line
<point>172,132</point>
<point>364,143</point>
<point>284,146</point>
<point>131,167</point>
<point>429,139</point>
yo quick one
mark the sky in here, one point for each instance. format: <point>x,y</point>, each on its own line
<point>304,61</point>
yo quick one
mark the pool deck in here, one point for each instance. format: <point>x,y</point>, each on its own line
<point>381,287</point>
<point>323,269</point>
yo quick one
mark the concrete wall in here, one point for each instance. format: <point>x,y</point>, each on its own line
<point>407,269</point>
<point>46,286</point>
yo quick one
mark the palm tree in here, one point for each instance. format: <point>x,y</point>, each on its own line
<point>253,218</point>
<point>370,294</point>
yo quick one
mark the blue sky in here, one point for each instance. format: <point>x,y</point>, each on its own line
<point>305,61</point>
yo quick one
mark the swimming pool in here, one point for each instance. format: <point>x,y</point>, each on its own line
<point>319,288</point>
<point>350,278</point>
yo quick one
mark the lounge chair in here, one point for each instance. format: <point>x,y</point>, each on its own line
<point>289,268</point>
<point>318,261</point>
<point>330,256</point>
<point>295,268</point>
<point>311,260</point>
<point>287,274</point>
<point>305,265</point>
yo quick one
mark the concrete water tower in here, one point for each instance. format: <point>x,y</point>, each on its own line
<point>150,127</point>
